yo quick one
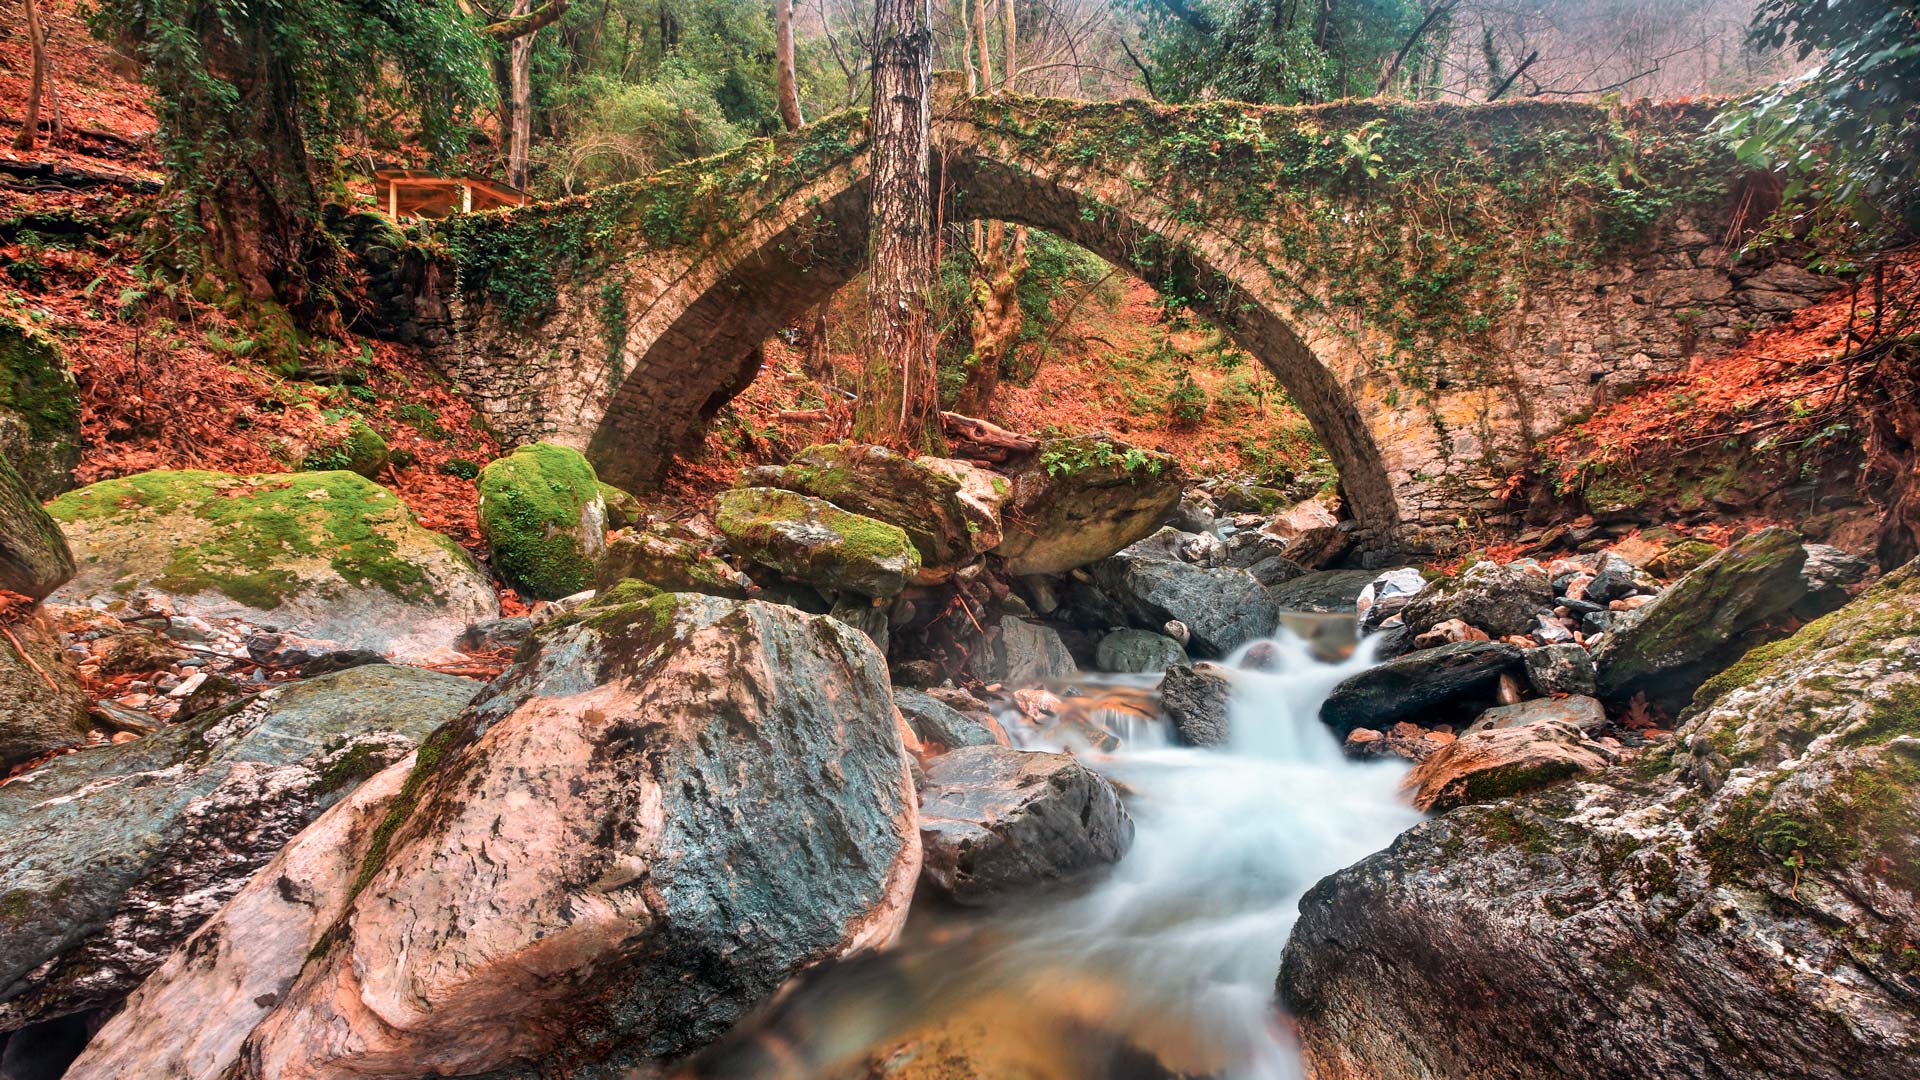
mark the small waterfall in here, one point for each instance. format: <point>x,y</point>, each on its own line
<point>1167,965</point>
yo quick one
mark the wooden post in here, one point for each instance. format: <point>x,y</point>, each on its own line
<point>393,198</point>
<point>466,197</point>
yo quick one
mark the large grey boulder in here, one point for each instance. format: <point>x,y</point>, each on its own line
<point>109,858</point>
<point>1502,600</point>
<point>1424,687</point>
<point>42,706</point>
<point>1133,652</point>
<point>668,557</point>
<point>998,823</point>
<point>667,809</point>
<point>1020,652</point>
<point>1223,608</point>
<point>34,556</point>
<point>1083,498</point>
<point>327,555</point>
<point>1741,904</point>
<point>1703,622</point>
<point>1322,591</point>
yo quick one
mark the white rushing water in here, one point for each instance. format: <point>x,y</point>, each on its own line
<point>1190,926</point>
<point>1165,965</point>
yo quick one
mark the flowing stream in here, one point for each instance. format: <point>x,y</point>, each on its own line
<point>1167,965</point>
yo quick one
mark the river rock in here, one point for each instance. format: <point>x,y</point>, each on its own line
<point>669,557</point>
<point>1576,711</point>
<point>39,411</point>
<point>1019,652</point>
<point>1502,600</point>
<point>543,518</point>
<point>1424,686</point>
<point>1564,668</point>
<point>924,501</point>
<point>1322,591</point>
<point>1681,557</point>
<point>1221,608</point>
<point>1083,498</point>
<point>1131,651</point>
<point>1263,555</point>
<point>624,510</point>
<point>111,857</point>
<point>1827,573</point>
<point>817,542</point>
<point>1750,910</point>
<point>1387,596</point>
<point>1503,760</point>
<point>34,556</point>
<point>329,555</point>
<point>42,706</point>
<point>666,810</point>
<point>997,822</point>
<point>1702,622</point>
<point>935,721</point>
<point>1197,700</point>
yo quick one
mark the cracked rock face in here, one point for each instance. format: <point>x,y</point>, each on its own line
<point>110,857</point>
<point>1746,904</point>
<point>665,811</point>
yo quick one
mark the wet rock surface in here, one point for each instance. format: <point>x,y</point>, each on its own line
<point>42,706</point>
<point>1222,608</point>
<point>34,556</point>
<point>1324,591</point>
<point>713,795</point>
<point>998,823</point>
<point>1420,685</point>
<point>1131,651</point>
<point>1501,760</point>
<point>1666,648</point>
<point>1746,895</point>
<point>1196,701</point>
<point>109,858</point>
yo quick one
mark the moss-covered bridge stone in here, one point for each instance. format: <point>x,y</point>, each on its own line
<point>1435,286</point>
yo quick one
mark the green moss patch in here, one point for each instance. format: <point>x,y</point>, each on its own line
<point>34,383</point>
<point>258,528</point>
<point>534,512</point>
<point>361,450</point>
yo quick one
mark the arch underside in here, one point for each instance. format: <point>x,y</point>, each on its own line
<point>648,421</point>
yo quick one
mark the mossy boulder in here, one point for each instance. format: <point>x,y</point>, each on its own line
<point>359,449</point>
<point>544,519</point>
<point>1749,895</point>
<point>624,510</point>
<point>924,502</point>
<point>1081,499</point>
<point>817,542</point>
<point>1681,557</point>
<point>116,854</point>
<point>668,557</point>
<point>39,409</point>
<point>35,558</point>
<point>327,555</point>
<point>1729,603</point>
<point>42,706</point>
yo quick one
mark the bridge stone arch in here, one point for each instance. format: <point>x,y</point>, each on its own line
<point>1429,338</point>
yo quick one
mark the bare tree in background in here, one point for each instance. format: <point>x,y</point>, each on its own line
<point>995,317</point>
<point>786,81</point>
<point>30,123</point>
<point>899,399</point>
<point>513,75</point>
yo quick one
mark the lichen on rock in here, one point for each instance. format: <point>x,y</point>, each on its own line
<point>329,555</point>
<point>817,542</point>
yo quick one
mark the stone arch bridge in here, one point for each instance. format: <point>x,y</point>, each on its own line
<point>1435,286</point>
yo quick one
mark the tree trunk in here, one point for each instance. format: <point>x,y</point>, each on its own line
<point>979,36</point>
<point>784,75</point>
<point>30,123</point>
<point>899,398</point>
<point>516,112</point>
<point>996,316</point>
